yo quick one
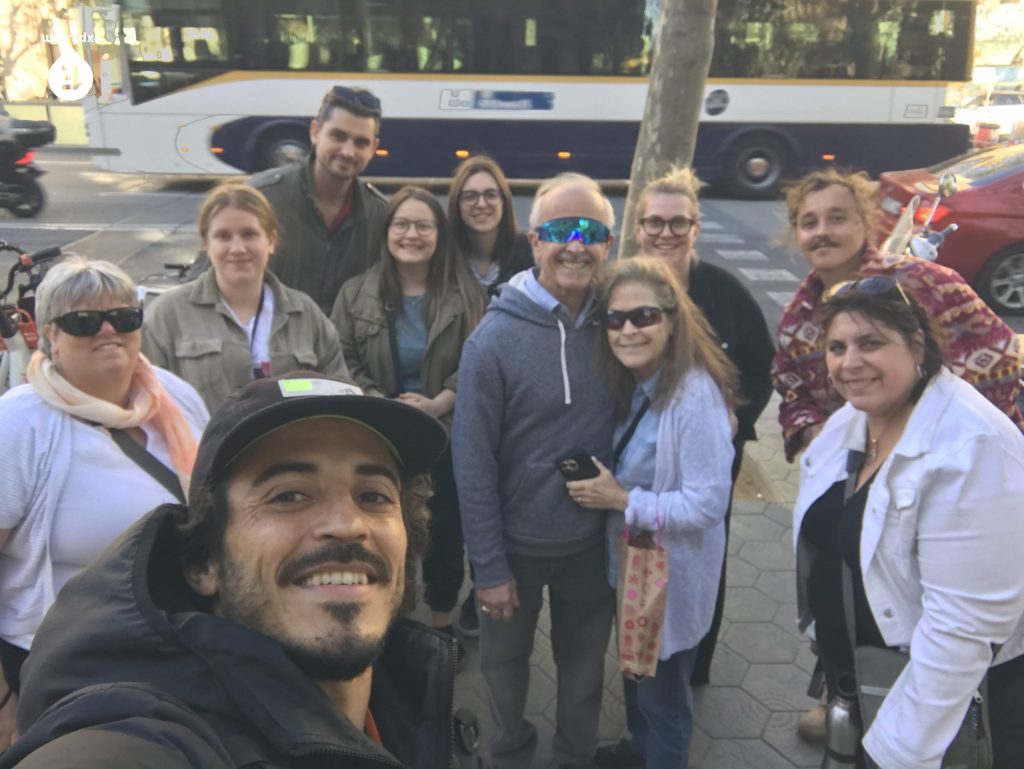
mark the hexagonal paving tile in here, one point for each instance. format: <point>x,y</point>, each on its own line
<point>747,604</point>
<point>785,618</point>
<point>739,573</point>
<point>743,754</point>
<point>781,734</point>
<point>778,687</point>
<point>755,528</point>
<point>768,556</point>
<point>761,642</point>
<point>780,585</point>
<point>728,712</point>
<point>727,667</point>
<point>780,514</point>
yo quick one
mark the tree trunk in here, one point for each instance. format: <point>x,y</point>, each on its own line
<point>683,44</point>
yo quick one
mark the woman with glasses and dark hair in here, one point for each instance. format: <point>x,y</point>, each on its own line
<point>71,477</point>
<point>483,223</point>
<point>667,226</point>
<point>402,325</point>
<point>674,390</point>
<point>908,530</point>
<point>238,322</point>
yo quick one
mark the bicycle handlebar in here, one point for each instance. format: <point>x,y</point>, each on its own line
<point>25,263</point>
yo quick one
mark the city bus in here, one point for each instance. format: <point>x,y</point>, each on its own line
<point>229,86</point>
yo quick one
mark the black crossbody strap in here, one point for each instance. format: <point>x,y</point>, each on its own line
<point>621,445</point>
<point>160,472</point>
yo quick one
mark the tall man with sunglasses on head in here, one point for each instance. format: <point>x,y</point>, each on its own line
<point>531,393</point>
<point>330,220</point>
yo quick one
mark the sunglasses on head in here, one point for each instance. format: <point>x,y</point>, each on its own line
<point>640,317</point>
<point>873,285</point>
<point>89,322</point>
<point>570,228</point>
<point>344,95</point>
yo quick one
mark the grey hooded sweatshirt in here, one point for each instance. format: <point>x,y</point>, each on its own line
<point>530,393</point>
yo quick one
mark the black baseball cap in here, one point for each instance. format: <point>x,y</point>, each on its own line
<point>264,405</point>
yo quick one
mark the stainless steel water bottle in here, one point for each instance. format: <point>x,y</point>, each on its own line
<point>842,727</point>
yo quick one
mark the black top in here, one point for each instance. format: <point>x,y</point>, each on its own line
<point>834,529</point>
<point>743,332</point>
<point>522,259</point>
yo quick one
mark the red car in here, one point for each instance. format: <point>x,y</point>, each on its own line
<point>988,248</point>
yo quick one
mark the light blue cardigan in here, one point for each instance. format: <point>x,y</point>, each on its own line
<point>692,484</point>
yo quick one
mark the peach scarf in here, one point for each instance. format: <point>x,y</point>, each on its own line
<point>149,402</point>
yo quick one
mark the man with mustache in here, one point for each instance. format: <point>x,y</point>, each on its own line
<point>531,393</point>
<point>833,218</point>
<point>259,625</point>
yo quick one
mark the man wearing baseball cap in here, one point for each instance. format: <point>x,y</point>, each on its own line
<point>259,624</point>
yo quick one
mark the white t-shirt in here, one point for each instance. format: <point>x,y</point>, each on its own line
<point>260,346</point>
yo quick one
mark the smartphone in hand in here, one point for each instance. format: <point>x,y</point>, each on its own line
<point>578,466</point>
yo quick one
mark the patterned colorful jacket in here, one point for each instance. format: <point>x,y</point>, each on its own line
<point>977,344</point>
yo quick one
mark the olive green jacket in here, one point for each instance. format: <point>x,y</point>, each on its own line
<point>307,257</point>
<point>361,318</point>
<point>190,331</point>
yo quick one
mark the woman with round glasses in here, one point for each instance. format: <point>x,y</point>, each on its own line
<point>673,445</point>
<point>909,504</point>
<point>668,223</point>
<point>402,324</point>
<point>483,223</point>
<point>70,481</point>
<point>238,322</point>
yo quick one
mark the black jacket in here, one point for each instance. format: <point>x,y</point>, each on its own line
<point>127,670</point>
<point>743,332</point>
<point>307,257</point>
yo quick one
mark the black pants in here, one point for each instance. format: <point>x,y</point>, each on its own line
<point>443,565</point>
<point>706,648</point>
<point>1006,712</point>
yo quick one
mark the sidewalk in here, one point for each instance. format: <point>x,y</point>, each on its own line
<point>746,718</point>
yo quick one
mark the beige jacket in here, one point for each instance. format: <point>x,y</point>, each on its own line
<point>190,331</point>
<point>361,319</point>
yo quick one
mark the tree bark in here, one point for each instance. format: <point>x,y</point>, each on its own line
<point>684,41</point>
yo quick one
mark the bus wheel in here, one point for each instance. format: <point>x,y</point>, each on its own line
<point>755,166</point>
<point>278,150</point>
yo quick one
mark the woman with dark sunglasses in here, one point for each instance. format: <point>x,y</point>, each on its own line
<point>673,453</point>
<point>667,227</point>
<point>402,325</point>
<point>909,506</point>
<point>483,223</point>
<point>69,484</point>
<point>238,322</point>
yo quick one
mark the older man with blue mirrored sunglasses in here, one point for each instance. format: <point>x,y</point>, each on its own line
<point>530,393</point>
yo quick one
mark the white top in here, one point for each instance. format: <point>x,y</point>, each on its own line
<point>259,347</point>
<point>59,472</point>
<point>940,551</point>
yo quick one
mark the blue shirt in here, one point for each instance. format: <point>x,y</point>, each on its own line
<point>412,343</point>
<point>636,465</point>
<point>542,297</point>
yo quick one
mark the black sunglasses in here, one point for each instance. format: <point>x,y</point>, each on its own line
<point>365,100</point>
<point>89,322</point>
<point>873,285</point>
<point>640,317</point>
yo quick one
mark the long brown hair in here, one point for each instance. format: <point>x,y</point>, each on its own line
<point>445,272</point>
<point>507,227</point>
<point>691,341</point>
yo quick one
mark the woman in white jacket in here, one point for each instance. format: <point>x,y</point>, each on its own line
<point>673,477</point>
<point>932,529</point>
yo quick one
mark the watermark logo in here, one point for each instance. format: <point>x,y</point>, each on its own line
<point>70,76</point>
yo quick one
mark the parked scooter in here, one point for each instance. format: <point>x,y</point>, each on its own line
<point>20,191</point>
<point>926,243</point>
<point>19,335</point>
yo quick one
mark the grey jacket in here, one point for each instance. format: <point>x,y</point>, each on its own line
<point>190,331</point>
<point>307,258</point>
<point>361,318</point>
<point>531,392</point>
